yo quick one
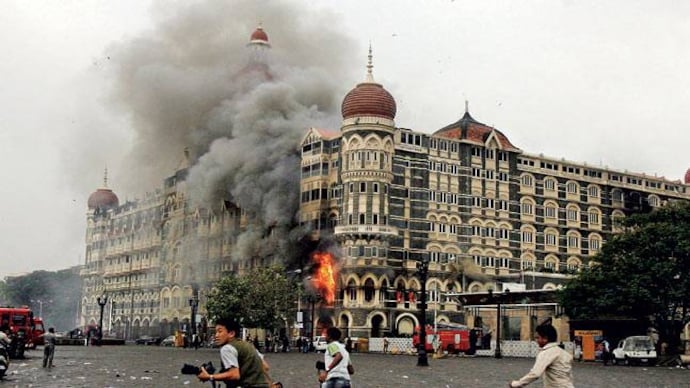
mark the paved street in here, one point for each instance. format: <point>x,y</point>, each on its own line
<point>152,366</point>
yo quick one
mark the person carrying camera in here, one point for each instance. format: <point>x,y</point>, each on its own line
<point>241,363</point>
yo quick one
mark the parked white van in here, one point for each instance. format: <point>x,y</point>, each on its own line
<point>633,350</point>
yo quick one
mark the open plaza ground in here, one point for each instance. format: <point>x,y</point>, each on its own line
<point>154,366</point>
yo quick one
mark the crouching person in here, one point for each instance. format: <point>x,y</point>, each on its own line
<point>240,362</point>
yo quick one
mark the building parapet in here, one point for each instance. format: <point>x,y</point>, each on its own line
<point>383,230</point>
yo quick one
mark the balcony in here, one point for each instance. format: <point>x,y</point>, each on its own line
<point>366,230</point>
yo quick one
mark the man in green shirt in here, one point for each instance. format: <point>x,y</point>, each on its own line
<point>241,362</point>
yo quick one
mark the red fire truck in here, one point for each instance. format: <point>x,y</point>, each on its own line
<point>19,319</point>
<point>38,331</point>
<point>451,337</point>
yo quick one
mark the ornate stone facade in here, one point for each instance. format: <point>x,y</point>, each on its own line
<point>486,214</point>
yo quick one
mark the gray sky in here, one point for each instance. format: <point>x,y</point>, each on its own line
<point>601,82</point>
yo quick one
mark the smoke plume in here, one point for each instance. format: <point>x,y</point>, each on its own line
<point>188,84</point>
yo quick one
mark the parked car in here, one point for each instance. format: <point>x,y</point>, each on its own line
<point>634,350</point>
<point>168,341</point>
<point>147,340</point>
<point>320,343</point>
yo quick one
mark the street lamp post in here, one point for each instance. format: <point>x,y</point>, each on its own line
<point>498,299</point>
<point>300,316</point>
<point>40,305</point>
<point>101,303</point>
<point>193,304</point>
<point>423,270</point>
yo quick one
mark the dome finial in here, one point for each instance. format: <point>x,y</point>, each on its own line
<point>467,106</point>
<point>370,66</point>
<point>105,177</point>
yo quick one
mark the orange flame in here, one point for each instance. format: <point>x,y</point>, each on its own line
<point>324,276</point>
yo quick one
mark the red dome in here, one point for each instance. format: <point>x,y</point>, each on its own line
<point>103,198</point>
<point>259,36</point>
<point>369,99</point>
<point>687,177</point>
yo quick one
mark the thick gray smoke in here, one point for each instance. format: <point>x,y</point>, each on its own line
<point>185,84</point>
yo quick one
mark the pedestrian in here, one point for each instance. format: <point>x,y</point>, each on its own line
<point>605,351</point>
<point>256,342</point>
<point>241,363</point>
<point>554,363</point>
<point>299,344</point>
<point>385,344</point>
<point>337,362</point>
<point>267,344</point>
<point>196,339</point>
<point>473,342</point>
<point>50,340</point>
<point>305,345</point>
<point>348,344</point>
<point>286,344</point>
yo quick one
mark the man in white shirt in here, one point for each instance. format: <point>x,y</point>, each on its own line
<point>554,363</point>
<point>337,360</point>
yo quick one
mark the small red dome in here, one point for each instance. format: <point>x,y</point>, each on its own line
<point>687,177</point>
<point>259,35</point>
<point>368,99</point>
<point>103,198</point>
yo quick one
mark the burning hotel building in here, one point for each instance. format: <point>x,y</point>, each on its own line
<point>484,213</point>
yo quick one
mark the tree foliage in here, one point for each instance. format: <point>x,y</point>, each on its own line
<point>58,293</point>
<point>264,297</point>
<point>642,273</point>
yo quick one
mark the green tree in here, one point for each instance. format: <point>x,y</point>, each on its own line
<point>642,273</point>
<point>264,297</point>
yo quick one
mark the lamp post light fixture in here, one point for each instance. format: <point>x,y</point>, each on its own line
<point>102,301</point>
<point>423,271</point>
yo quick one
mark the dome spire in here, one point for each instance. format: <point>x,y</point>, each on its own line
<point>259,38</point>
<point>105,177</point>
<point>370,67</point>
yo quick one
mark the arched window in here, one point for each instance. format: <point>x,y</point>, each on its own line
<point>551,262</point>
<point>573,213</point>
<point>383,292</point>
<point>594,216</point>
<point>594,243</point>
<point>572,188</point>
<point>653,201</point>
<point>573,240</point>
<point>574,264</point>
<point>352,290</point>
<point>593,191</point>
<point>435,293</point>
<point>527,207</point>
<point>527,180</point>
<point>551,210</point>
<point>368,290</point>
